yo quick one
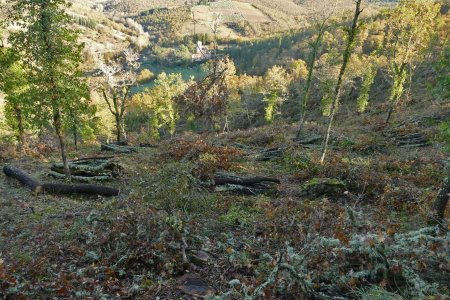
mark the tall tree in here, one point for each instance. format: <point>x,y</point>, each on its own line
<point>159,101</point>
<point>408,31</point>
<point>352,34</point>
<point>208,98</point>
<point>120,75</point>
<point>50,51</point>
<point>14,84</point>
<point>319,16</point>
<point>276,81</point>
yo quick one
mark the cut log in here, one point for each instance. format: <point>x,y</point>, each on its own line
<point>323,186</point>
<point>147,145</point>
<point>231,183</point>
<point>245,190</point>
<point>409,136</point>
<point>87,189</point>
<point>225,178</point>
<point>23,178</point>
<point>90,169</point>
<point>269,154</point>
<point>117,148</point>
<point>85,179</point>
<point>57,188</point>
<point>308,139</point>
<point>414,145</point>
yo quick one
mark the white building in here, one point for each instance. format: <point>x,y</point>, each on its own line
<point>201,54</point>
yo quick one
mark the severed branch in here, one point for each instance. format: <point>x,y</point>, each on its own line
<point>222,179</point>
<point>58,188</point>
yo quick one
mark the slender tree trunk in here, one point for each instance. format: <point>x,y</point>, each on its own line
<point>440,204</point>
<point>305,97</point>
<point>347,54</point>
<point>389,114</point>
<point>122,128</point>
<point>75,136</point>
<point>226,127</point>
<point>20,127</point>
<point>74,129</point>
<point>397,90</point>
<point>58,129</point>
<point>118,129</point>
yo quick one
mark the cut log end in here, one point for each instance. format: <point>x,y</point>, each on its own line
<point>57,188</point>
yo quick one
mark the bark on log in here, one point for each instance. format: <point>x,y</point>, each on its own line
<point>90,169</point>
<point>57,188</point>
<point>308,139</point>
<point>225,182</point>
<point>147,145</point>
<point>269,154</point>
<point>87,189</point>
<point>20,175</point>
<point>117,148</point>
<point>222,179</point>
<point>80,178</point>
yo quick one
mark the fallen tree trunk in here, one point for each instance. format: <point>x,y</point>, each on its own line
<point>117,148</point>
<point>312,139</point>
<point>87,189</point>
<point>147,145</point>
<point>222,178</point>
<point>89,169</point>
<point>20,175</point>
<point>58,188</point>
<point>80,178</point>
<point>225,182</point>
<point>269,154</point>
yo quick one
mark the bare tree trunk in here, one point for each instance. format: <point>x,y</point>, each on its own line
<point>118,129</point>
<point>62,144</point>
<point>347,54</point>
<point>122,128</point>
<point>389,114</point>
<point>226,126</point>
<point>440,204</point>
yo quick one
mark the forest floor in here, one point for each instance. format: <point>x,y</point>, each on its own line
<point>352,227</point>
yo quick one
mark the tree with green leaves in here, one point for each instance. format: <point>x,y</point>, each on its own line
<point>50,51</point>
<point>14,85</point>
<point>160,103</point>
<point>352,34</point>
<point>320,16</point>
<point>276,82</point>
<point>367,81</point>
<point>408,32</point>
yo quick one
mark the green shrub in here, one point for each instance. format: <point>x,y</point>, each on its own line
<point>145,75</point>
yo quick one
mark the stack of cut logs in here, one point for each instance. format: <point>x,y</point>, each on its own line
<point>90,169</point>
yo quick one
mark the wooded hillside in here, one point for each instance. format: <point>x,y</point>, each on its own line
<point>224,149</point>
